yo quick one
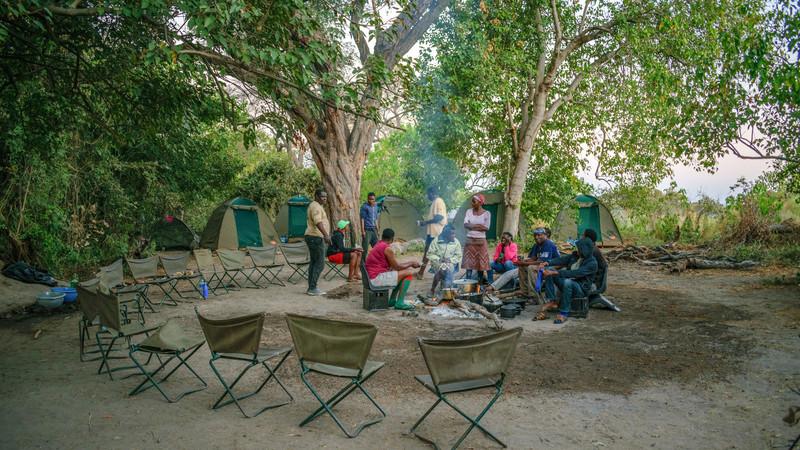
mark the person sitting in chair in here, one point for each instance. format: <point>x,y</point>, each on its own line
<point>444,255</point>
<point>574,281</point>
<point>339,254</point>
<point>384,270</point>
<point>543,250</point>
<point>504,255</point>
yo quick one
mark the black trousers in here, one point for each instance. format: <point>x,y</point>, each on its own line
<point>316,249</point>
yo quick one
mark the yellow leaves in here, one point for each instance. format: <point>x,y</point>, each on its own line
<point>483,7</point>
<point>495,22</point>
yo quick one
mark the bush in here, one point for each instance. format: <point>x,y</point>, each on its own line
<point>275,179</point>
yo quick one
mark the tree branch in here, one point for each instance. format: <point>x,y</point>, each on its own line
<point>407,28</point>
<point>758,153</point>
<point>576,81</point>
<point>556,26</point>
<point>355,30</point>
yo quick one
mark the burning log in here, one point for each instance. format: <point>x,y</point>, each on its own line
<point>469,306</point>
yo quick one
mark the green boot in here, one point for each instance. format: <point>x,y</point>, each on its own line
<point>399,303</point>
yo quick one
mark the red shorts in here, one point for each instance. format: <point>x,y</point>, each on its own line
<point>336,258</point>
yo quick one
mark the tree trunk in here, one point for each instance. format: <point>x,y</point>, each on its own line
<point>522,161</point>
<point>340,155</point>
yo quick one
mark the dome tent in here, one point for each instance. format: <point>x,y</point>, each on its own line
<point>171,233</point>
<point>238,223</point>
<point>586,211</point>
<point>291,220</point>
<point>401,216</point>
<point>495,204</point>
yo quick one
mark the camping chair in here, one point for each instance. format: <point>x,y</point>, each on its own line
<point>176,267</point>
<point>88,321</point>
<point>173,342</point>
<point>333,270</point>
<point>596,299</point>
<point>145,272</point>
<point>337,349</point>
<point>113,321</point>
<point>232,265</point>
<point>264,263</point>
<point>112,276</point>
<point>297,257</point>
<point>465,365</point>
<point>374,298</point>
<point>208,271</point>
<point>239,339</point>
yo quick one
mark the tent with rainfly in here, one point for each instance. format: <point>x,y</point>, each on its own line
<point>238,223</point>
<point>495,204</point>
<point>586,211</point>
<point>291,220</point>
<point>401,216</point>
<point>171,233</point>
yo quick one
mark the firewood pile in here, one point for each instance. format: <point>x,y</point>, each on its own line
<point>676,260</point>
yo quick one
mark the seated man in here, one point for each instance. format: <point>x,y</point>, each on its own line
<point>574,281</point>
<point>444,255</point>
<point>543,250</point>
<point>337,253</point>
<point>384,270</point>
<point>504,255</point>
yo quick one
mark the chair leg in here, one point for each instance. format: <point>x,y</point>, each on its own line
<point>105,356</point>
<point>273,276</point>
<point>475,422</point>
<point>234,399</point>
<point>327,406</point>
<point>149,376</point>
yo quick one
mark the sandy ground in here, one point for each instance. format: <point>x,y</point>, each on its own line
<point>700,360</point>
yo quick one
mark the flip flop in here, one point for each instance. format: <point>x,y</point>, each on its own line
<point>560,319</point>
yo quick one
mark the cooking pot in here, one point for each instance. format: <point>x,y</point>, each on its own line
<point>449,293</point>
<point>466,286</point>
<point>508,311</point>
<point>492,305</point>
<point>474,297</point>
<point>519,302</point>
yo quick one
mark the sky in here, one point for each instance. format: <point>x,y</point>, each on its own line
<point>716,185</point>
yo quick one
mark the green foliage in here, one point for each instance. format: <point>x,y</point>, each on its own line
<point>275,179</point>
<point>403,165</point>
<point>666,228</point>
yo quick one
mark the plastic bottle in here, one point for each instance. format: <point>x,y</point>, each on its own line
<point>204,289</point>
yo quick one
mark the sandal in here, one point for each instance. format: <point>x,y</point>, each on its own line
<point>561,318</point>
<point>541,315</point>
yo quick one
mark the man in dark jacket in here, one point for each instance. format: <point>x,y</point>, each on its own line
<point>575,279</point>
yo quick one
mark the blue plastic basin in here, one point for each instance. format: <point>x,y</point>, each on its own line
<point>70,293</point>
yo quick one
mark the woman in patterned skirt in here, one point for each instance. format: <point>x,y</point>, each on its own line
<point>476,249</point>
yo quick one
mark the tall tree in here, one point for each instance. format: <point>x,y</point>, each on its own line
<point>634,83</point>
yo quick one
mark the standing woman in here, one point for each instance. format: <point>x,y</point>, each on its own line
<point>476,250</point>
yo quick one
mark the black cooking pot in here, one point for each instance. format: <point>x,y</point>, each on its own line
<point>519,302</point>
<point>508,311</point>
<point>492,306</point>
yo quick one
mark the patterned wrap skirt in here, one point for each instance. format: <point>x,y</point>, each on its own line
<point>476,254</point>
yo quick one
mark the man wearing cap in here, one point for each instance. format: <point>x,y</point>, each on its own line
<point>339,254</point>
<point>543,250</point>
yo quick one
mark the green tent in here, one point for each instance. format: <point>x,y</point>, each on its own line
<point>586,211</point>
<point>495,204</point>
<point>171,233</point>
<point>401,216</point>
<point>291,220</point>
<point>238,223</point>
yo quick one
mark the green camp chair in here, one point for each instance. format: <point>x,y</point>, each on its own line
<point>113,321</point>
<point>208,271</point>
<point>173,342</point>
<point>333,270</point>
<point>466,365</point>
<point>89,322</point>
<point>239,339</point>
<point>145,272</point>
<point>113,277</point>
<point>177,268</point>
<point>297,258</point>
<point>337,349</point>
<point>233,265</point>
<point>264,263</point>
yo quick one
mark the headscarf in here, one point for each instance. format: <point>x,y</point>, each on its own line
<point>480,198</point>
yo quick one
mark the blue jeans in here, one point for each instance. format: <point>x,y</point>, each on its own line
<point>499,268</point>
<point>569,289</point>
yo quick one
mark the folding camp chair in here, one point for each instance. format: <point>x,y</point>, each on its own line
<point>466,365</point>
<point>337,349</point>
<point>264,263</point>
<point>112,276</point>
<point>232,265</point>
<point>298,258</point>
<point>145,272</point>
<point>333,270</point>
<point>596,299</point>
<point>113,321</point>
<point>208,270</point>
<point>177,268</point>
<point>173,342</point>
<point>89,322</point>
<point>239,339</point>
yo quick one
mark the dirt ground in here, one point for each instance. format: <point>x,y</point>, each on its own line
<point>699,360</point>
